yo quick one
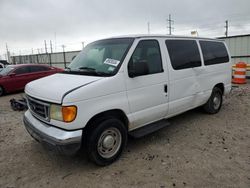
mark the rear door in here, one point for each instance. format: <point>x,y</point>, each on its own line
<point>184,58</point>
<point>147,94</point>
<point>38,71</point>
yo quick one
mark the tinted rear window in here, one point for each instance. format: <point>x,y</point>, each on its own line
<point>214,52</point>
<point>183,54</point>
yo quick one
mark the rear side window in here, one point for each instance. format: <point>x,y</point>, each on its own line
<point>38,68</point>
<point>183,54</point>
<point>214,52</point>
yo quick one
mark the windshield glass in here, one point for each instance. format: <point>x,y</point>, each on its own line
<point>6,70</point>
<point>101,58</point>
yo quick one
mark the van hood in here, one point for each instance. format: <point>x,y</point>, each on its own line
<point>53,88</point>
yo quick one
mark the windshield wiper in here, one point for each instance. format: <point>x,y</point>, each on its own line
<point>93,70</point>
<point>87,68</point>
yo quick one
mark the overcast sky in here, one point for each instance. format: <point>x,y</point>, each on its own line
<point>25,24</point>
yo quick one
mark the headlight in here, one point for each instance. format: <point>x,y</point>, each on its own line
<point>63,113</point>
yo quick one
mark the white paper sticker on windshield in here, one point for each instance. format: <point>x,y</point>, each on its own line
<point>111,69</point>
<point>112,62</point>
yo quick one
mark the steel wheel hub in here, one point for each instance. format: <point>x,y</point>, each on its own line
<point>109,142</point>
<point>216,101</point>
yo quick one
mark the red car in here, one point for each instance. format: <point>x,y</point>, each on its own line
<point>15,77</point>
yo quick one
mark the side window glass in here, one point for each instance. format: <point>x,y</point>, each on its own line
<point>183,54</point>
<point>214,52</point>
<point>38,68</point>
<point>22,70</point>
<point>147,56</point>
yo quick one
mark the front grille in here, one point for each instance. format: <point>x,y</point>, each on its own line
<point>38,108</point>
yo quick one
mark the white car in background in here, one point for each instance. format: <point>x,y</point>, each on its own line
<point>125,86</point>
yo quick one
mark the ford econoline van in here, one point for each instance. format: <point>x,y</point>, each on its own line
<point>124,86</point>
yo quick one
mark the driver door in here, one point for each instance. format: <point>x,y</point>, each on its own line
<point>147,93</point>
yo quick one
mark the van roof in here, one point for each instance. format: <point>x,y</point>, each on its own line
<point>163,36</point>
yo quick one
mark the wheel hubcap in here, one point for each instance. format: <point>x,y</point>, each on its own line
<point>109,142</point>
<point>216,101</point>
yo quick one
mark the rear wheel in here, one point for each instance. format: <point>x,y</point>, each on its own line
<point>1,91</point>
<point>106,142</point>
<point>214,103</point>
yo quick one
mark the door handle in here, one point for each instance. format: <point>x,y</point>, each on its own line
<point>166,88</point>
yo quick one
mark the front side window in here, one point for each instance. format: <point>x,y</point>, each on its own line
<point>22,70</point>
<point>183,54</point>
<point>101,58</point>
<point>147,53</point>
<point>214,52</point>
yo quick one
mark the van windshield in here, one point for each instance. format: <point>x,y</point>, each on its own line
<point>101,58</point>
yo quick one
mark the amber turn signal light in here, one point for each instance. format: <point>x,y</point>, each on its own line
<point>69,113</point>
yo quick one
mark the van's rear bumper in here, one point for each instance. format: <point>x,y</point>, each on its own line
<point>65,142</point>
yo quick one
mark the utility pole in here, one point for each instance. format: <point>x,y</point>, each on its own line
<point>82,45</point>
<point>148,27</point>
<point>37,57</point>
<point>170,21</point>
<point>45,46</point>
<point>8,53</point>
<point>51,49</point>
<point>226,33</point>
<point>64,57</point>
<point>55,41</point>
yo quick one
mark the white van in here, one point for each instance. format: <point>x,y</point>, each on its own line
<point>125,86</point>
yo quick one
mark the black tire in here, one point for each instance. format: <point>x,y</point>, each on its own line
<point>214,103</point>
<point>110,132</point>
<point>1,91</point>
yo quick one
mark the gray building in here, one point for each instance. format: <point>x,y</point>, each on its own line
<point>239,47</point>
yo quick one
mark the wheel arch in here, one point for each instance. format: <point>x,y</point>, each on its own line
<point>103,115</point>
<point>220,86</point>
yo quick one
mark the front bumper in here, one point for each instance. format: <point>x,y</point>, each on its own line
<point>62,141</point>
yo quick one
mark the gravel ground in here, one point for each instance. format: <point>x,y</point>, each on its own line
<point>196,150</point>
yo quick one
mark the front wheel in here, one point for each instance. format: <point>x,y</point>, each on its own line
<point>214,103</point>
<point>106,141</point>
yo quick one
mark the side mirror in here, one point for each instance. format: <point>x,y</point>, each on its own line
<point>137,68</point>
<point>12,74</point>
